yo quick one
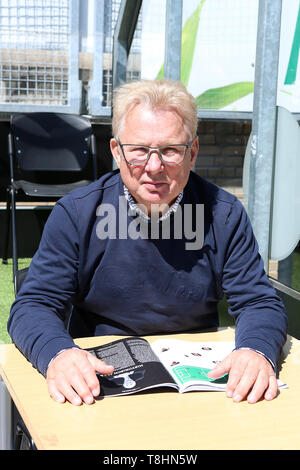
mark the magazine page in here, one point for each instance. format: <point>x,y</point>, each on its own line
<point>189,362</point>
<point>136,366</point>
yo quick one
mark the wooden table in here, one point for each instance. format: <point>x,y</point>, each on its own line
<point>166,420</point>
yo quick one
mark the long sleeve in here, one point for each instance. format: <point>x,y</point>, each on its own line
<point>261,321</point>
<point>36,322</point>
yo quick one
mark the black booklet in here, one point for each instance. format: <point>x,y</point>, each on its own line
<point>180,364</point>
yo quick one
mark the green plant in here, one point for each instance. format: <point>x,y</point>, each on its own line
<point>214,98</point>
<point>217,98</point>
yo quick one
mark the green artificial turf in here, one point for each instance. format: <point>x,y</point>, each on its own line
<point>7,294</point>
<point>296,269</point>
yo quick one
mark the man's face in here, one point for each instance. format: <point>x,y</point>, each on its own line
<point>154,182</point>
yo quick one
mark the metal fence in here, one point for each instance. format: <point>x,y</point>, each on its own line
<point>45,66</point>
<point>111,11</point>
<point>41,56</point>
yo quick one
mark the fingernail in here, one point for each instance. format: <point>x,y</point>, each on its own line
<point>229,393</point>
<point>95,392</point>
<point>89,400</point>
<point>77,401</point>
<point>251,398</point>
<point>237,397</point>
<point>59,398</point>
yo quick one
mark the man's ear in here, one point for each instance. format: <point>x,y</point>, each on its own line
<point>194,152</point>
<point>114,148</point>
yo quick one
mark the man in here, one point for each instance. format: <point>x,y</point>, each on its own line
<point>134,254</point>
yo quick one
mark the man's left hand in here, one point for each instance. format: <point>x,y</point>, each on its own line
<point>251,376</point>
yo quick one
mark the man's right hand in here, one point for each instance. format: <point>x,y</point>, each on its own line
<point>72,376</point>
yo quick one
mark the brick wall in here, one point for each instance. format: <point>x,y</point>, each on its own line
<point>222,147</point>
<point>222,150</point>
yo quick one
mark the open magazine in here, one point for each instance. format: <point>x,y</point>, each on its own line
<point>139,366</point>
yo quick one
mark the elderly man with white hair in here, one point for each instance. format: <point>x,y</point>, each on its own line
<point>149,248</point>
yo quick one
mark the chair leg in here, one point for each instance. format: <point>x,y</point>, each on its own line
<point>21,437</point>
<point>14,236</point>
<point>6,231</point>
<point>23,440</point>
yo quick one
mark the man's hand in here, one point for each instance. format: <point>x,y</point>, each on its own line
<point>72,376</point>
<point>251,376</point>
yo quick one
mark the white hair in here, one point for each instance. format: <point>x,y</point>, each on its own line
<point>156,94</point>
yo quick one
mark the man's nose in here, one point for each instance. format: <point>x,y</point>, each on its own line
<point>154,164</point>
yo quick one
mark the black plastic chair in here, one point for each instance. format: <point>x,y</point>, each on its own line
<point>49,154</point>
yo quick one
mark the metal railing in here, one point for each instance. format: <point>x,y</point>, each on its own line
<point>39,50</point>
<point>43,65</point>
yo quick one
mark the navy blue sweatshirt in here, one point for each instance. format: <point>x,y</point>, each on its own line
<point>132,284</point>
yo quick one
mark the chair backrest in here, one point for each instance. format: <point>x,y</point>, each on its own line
<point>51,141</point>
<point>20,278</point>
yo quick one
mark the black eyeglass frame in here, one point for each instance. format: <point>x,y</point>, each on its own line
<point>154,149</point>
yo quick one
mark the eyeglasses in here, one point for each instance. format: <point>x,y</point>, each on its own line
<point>136,154</point>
